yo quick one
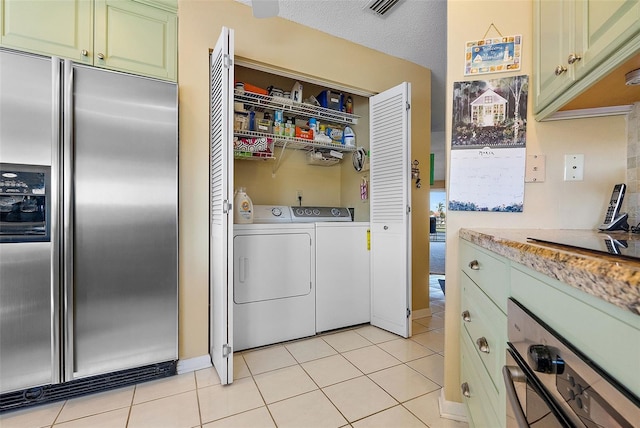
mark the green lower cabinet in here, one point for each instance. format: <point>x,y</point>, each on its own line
<point>485,405</point>
<point>487,327</point>
<point>607,334</point>
<point>484,281</point>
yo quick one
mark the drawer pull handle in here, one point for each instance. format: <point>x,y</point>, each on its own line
<point>474,265</point>
<point>560,69</point>
<point>466,316</point>
<point>573,58</point>
<point>465,390</point>
<point>483,345</point>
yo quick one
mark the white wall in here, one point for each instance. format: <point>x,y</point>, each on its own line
<point>552,204</point>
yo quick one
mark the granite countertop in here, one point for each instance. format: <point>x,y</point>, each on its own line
<point>612,278</point>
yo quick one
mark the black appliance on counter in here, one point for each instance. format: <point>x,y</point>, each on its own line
<point>622,244</point>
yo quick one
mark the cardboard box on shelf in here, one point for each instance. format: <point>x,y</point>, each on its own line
<point>248,87</point>
<point>307,134</point>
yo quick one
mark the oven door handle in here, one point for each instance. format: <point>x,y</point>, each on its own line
<point>513,374</point>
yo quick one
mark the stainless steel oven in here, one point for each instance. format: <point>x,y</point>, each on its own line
<point>551,384</point>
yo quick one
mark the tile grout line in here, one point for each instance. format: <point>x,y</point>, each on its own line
<point>321,336</point>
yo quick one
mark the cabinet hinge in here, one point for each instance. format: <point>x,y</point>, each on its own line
<point>408,106</point>
<point>227,61</point>
<point>226,207</point>
<point>226,350</point>
<point>408,312</point>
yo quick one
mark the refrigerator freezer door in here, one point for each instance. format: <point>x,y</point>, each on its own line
<point>124,284</point>
<point>27,331</point>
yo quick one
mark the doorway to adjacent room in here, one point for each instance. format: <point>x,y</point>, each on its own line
<point>437,227</point>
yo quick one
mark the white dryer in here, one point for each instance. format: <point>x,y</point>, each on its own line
<point>273,279</point>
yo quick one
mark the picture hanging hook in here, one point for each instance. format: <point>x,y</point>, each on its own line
<point>495,28</point>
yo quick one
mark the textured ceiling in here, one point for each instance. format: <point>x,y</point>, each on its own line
<point>415,30</point>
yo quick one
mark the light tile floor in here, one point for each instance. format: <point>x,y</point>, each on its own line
<point>359,377</point>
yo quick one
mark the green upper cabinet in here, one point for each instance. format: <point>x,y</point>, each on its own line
<point>59,28</point>
<point>604,27</point>
<point>138,37</point>
<point>554,34</point>
<point>577,42</point>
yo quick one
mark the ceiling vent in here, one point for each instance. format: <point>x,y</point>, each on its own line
<point>632,78</point>
<point>382,7</point>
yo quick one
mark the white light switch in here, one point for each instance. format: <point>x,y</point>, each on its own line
<point>535,169</point>
<point>573,167</point>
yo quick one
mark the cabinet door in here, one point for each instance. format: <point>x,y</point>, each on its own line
<point>54,27</point>
<point>603,26</point>
<point>554,38</point>
<point>136,38</point>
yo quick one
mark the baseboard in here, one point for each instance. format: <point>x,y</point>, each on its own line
<point>421,313</point>
<point>193,364</point>
<point>451,409</point>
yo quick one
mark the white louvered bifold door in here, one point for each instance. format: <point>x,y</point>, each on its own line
<point>390,201</point>
<point>221,214</point>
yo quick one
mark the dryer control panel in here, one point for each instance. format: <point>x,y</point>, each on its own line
<point>319,214</point>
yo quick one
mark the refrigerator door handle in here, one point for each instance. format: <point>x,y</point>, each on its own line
<point>67,221</point>
<point>56,192</point>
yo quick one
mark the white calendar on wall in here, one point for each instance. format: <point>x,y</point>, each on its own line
<point>488,145</point>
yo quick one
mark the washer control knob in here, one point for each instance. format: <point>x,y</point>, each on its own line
<point>277,212</point>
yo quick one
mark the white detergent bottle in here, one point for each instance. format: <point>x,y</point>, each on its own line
<point>243,207</point>
<point>349,137</point>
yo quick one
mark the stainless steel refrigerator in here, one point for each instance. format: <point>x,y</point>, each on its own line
<point>88,228</point>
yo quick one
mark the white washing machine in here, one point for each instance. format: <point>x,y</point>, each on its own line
<point>273,279</point>
<point>343,290</point>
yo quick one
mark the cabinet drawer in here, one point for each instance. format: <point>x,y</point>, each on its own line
<point>485,321</point>
<point>483,403</point>
<point>488,272</point>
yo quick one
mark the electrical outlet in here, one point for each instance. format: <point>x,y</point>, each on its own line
<point>299,194</point>
<point>573,167</point>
